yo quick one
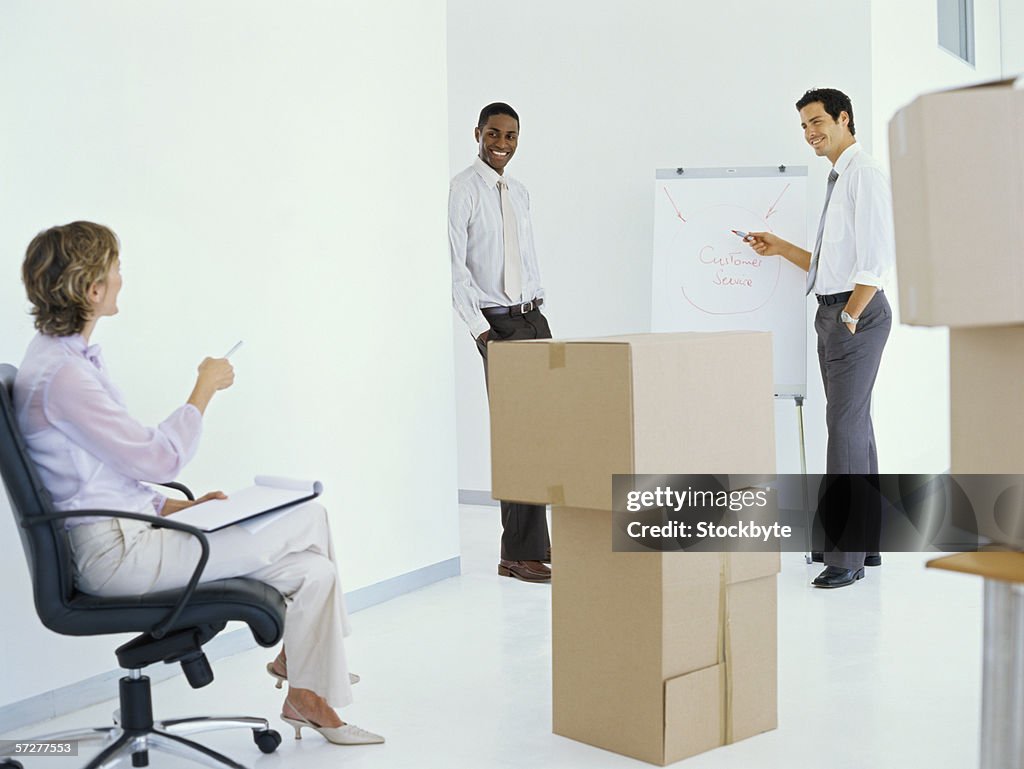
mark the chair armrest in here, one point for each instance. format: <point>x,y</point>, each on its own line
<point>160,629</point>
<point>179,487</point>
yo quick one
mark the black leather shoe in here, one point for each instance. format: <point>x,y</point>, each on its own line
<point>527,571</point>
<point>871,559</point>
<point>833,576</point>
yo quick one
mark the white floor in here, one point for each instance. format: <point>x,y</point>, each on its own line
<point>882,674</point>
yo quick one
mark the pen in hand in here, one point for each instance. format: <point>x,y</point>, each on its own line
<point>233,349</point>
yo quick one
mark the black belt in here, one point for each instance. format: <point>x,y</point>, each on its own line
<point>514,310</point>
<point>828,299</point>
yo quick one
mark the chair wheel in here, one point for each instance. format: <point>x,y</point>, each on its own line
<point>267,740</point>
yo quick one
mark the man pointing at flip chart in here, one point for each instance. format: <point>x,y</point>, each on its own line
<point>853,251</point>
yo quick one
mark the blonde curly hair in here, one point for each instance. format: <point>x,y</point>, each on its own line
<point>61,264</point>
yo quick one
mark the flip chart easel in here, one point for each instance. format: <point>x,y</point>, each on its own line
<point>705,278</point>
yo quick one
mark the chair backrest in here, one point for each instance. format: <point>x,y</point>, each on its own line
<point>46,546</point>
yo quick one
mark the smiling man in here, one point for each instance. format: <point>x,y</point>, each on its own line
<point>853,251</point>
<point>496,290</point>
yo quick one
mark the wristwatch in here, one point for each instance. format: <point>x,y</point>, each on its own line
<point>845,317</point>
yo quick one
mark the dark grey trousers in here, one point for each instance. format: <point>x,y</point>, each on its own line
<point>849,365</point>
<point>524,527</point>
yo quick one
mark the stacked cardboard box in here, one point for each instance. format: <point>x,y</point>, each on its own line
<point>658,656</point>
<point>961,264</point>
<point>957,199</point>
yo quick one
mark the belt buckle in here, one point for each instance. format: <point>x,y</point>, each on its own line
<point>526,307</point>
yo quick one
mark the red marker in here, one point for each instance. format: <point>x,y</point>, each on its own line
<point>741,233</point>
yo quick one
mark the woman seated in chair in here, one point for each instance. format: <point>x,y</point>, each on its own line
<point>92,455</point>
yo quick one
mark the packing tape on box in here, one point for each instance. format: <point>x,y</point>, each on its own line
<point>556,355</point>
<point>556,495</point>
<point>724,702</point>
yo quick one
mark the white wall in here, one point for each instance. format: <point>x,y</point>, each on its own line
<point>278,174</point>
<point>607,93</point>
<point>911,403</point>
<point>1012,33</point>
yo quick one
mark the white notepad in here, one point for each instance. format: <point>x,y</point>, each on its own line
<point>268,494</point>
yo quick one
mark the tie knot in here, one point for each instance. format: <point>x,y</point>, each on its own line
<point>501,184</point>
<point>832,176</point>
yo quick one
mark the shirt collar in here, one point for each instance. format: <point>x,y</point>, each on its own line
<point>488,174</point>
<point>844,160</point>
<point>92,353</point>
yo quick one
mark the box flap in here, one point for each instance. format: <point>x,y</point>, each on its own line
<point>690,611</point>
<point>693,714</point>
<point>751,658</point>
<point>665,338</point>
<point>742,567</point>
<point>1004,566</point>
<point>561,421</point>
<point>680,424</point>
<point>1006,82</point>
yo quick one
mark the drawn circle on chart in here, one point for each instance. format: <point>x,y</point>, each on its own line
<point>716,271</point>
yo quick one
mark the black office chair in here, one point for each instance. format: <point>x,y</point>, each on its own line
<point>173,624</point>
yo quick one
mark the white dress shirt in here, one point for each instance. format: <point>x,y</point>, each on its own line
<point>476,242</point>
<point>858,244</point>
<point>89,451</point>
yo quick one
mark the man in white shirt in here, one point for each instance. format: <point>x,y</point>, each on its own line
<point>854,249</point>
<point>497,292</point>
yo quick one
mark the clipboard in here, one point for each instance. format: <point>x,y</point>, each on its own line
<point>268,494</point>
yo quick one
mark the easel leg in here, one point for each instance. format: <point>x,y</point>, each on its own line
<point>803,473</point>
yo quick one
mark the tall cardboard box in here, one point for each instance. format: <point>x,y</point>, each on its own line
<point>957,201</point>
<point>987,418</point>
<point>567,415</point>
<point>986,396</point>
<point>659,656</point>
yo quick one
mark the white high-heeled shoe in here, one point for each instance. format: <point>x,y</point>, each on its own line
<point>349,734</point>
<point>352,677</point>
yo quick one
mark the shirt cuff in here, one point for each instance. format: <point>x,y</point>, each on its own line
<point>159,500</point>
<point>867,279</point>
<point>478,328</point>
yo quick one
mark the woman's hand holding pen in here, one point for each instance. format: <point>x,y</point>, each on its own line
<point>172,506</point>
<point>214,374</point>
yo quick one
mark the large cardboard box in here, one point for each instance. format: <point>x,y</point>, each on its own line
<point>659,656</point>
<point>986,394</point>
<point>987,428</point>
<point>567,415</point>
<point>987,425</point>
<point>957,200</point>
